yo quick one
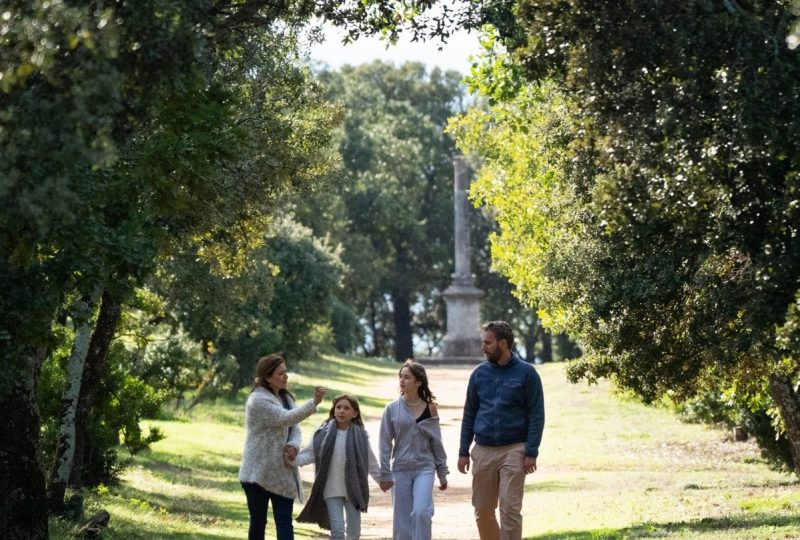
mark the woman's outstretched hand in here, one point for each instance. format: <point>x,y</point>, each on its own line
<point>319,393</point>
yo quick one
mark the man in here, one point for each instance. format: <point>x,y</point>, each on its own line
<point>504,414</point>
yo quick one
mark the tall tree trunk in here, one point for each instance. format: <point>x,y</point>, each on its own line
<point>377,335</point>
<point>547,345</point>
<point>785,397</point>
<point>531,338</point>
<point>403,340</point>
<point>93,371</point>
<point>23,499</point>
<point>65,445</point>
<point>208,378</point>
<point>29,305</point>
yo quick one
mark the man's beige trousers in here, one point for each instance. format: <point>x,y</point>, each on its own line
<point>498,477</point>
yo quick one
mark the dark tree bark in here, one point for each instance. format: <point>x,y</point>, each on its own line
<point>376,330</point>
<point>785,397</point>
<point>403,339</point>
<point>23,499</point>
<point>93,371</point>
<point>547,345</point>
<point>531,338</point>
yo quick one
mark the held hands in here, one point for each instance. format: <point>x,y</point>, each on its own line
<point>290,452</point>
<point>319,393</point>
<point>443,486</point>
<point>463,464</point>
<point>385,485</point>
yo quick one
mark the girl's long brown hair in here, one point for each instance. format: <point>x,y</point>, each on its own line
<point>353,403</point>
<point>419,374</point>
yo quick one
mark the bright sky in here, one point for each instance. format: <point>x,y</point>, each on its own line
<point>454,55</point>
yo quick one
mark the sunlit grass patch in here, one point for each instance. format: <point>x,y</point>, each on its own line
<point>789,501</point>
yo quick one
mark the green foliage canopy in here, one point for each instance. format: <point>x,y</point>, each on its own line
<point>271,304</point>
<point>649,190</point>
<point>128,130</point>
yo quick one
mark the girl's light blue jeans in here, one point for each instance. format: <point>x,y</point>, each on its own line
<point>337,507</point>
<point>412,498</point>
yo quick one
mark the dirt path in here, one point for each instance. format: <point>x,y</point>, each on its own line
<point>453,515</point>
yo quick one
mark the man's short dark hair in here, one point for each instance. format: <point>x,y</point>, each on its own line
<point>501,330</point>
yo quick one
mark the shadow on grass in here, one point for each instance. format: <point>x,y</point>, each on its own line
<point>197,511</point>
<point>777,523</point>
<point>154,510</point>
<point>59,532</point>
<point>770,483</point>
<point>194,477</point>
<point>174,466</point>
<point>197,508</point>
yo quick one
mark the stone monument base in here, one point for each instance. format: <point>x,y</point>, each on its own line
<point>461,346</point>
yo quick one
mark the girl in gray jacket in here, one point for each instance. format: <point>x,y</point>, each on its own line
<point>411,453</point>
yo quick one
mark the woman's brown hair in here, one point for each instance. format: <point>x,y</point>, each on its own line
<point>265,368</point>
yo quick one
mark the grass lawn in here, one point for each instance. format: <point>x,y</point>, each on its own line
<point>609,468</point>
<point>613,468</point>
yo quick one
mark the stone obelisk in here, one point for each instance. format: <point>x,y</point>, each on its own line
<point>462,341</point>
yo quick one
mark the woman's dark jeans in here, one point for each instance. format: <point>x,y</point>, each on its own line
<point>258,503</point>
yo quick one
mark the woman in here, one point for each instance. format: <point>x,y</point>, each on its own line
<point>410,435</point>
<point>271,419</point>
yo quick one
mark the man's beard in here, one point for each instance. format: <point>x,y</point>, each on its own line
<point>493,357</point>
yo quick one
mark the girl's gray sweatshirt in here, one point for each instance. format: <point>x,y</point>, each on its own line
<point>410,445</point>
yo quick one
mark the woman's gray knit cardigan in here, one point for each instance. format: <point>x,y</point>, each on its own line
<point>267,423</point>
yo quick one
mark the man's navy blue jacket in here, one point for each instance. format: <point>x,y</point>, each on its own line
<point>504,405</point>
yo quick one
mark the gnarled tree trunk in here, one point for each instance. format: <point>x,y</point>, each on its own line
<point>93,370</point>
<point>785,397</point>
